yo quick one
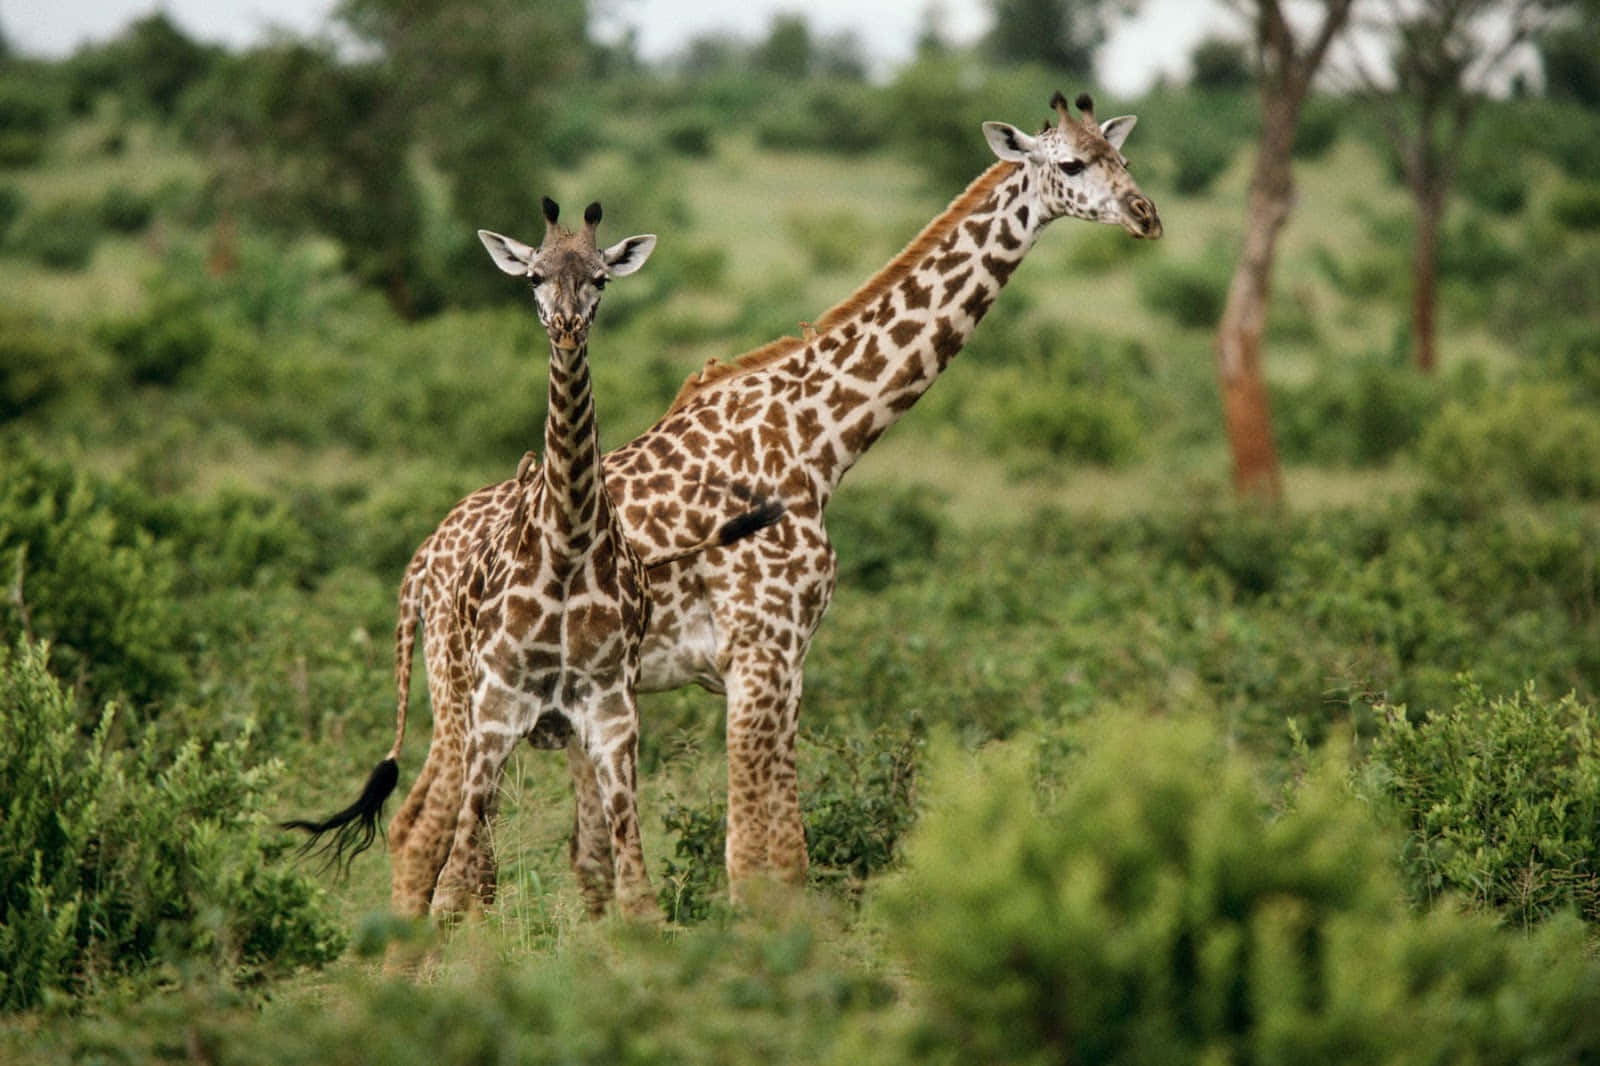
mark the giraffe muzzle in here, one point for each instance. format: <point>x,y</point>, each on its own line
<point>1140,217</point>
<point>566,332</point>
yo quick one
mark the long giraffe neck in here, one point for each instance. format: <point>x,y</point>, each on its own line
<point>877,352</point>
<point>569,500</point>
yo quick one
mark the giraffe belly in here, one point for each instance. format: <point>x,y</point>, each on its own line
<point>680,647</point>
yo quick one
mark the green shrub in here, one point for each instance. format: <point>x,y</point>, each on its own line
<point>114,861</point>
<point>841,119</point>
<point>1190,293</point>
<point>1528,440</point>
<point>1576,205</point>
<point>84,576</point>
<point>717,994</point>
<point>62,236</point>
<point>1358,416</point>
<point>125,211</point>
<point>831,240</point>
<point>1198,159</point>
<point>1495,184</point>
<point>1043,427</point>
<point>1157,913</point>
<point>1500,798</point>
<point>1220,63</point>
<point>38,364</point>
<point>1474,253</point>
<point>1321,121</point>
<point>28,113</point>
<point>885,536</point>
<point>158,344</point>
<point>690,136</point>
<point>12,205</point>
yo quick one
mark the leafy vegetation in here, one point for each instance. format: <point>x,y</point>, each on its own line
<point>1094,763</point>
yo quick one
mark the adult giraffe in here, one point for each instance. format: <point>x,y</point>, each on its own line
<point>794,416</point>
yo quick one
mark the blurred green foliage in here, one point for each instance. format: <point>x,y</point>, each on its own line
<point>1156,911</point>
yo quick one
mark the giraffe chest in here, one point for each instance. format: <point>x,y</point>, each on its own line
<point>551,627</point>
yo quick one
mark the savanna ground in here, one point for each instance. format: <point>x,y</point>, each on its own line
<point>1095,764</point>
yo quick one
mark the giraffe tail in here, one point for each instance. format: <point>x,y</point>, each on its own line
<point>405,640</point>
<point>354,828</point>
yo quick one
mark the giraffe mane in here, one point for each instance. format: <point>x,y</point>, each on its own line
<point>932,235</point>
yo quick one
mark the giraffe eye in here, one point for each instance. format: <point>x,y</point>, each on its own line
<point>1071,167</point>
<point>600,281</point>
<point>535,279</point>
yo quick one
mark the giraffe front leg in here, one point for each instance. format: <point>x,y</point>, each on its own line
<point>786,834</point>
<point>766,838</point>
<point>591,841</point>
<point>612,744</point>
<point>459,879</point>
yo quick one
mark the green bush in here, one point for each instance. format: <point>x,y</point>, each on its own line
<point>692,136</point>
<point>61,237</point>
<point>886,536</point>
<point>12,205</point>
<point>1321,122</point>
<point>84,576</point>
<point>1357,416</point>
<point>1495,184</point>
<point>114,861</point>
<point>1500,798</point>
<point>830,240</point>
<point>1156,912</point>
<point>1043,427</point>
<point>1190,293</point>
<point>125,211</point>
<point>157,345</point>
<point>1220,63</point>
<point>1198,159</point>
<point>1529,440</point>
<point>38,364</point>
<point>28,113</point>
<point>1576,205</point>
<point>1474,253</point>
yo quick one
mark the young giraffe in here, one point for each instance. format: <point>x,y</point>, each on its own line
<point>799,413</point>
<point>539,633</point>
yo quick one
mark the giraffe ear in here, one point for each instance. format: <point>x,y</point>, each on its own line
<point>511,256</point>
<point>1008,142</point>
<point>1116,130</point>
<point>626,256</point>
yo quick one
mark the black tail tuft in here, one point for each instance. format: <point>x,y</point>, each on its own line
<point>354,828</point>
<point>765,512</point>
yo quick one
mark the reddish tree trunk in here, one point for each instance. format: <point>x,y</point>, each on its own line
<point>1286,71</point>
<point>1246,411</point>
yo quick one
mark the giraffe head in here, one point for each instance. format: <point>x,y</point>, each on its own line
<point>568,270</point>
<point>1078,167</point>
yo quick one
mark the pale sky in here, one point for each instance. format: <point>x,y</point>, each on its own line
<point>1159,38</point>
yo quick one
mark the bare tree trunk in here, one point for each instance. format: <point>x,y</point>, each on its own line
<point>1424,276</point>
<point>1285,77</point>
<point>1246,410</point>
